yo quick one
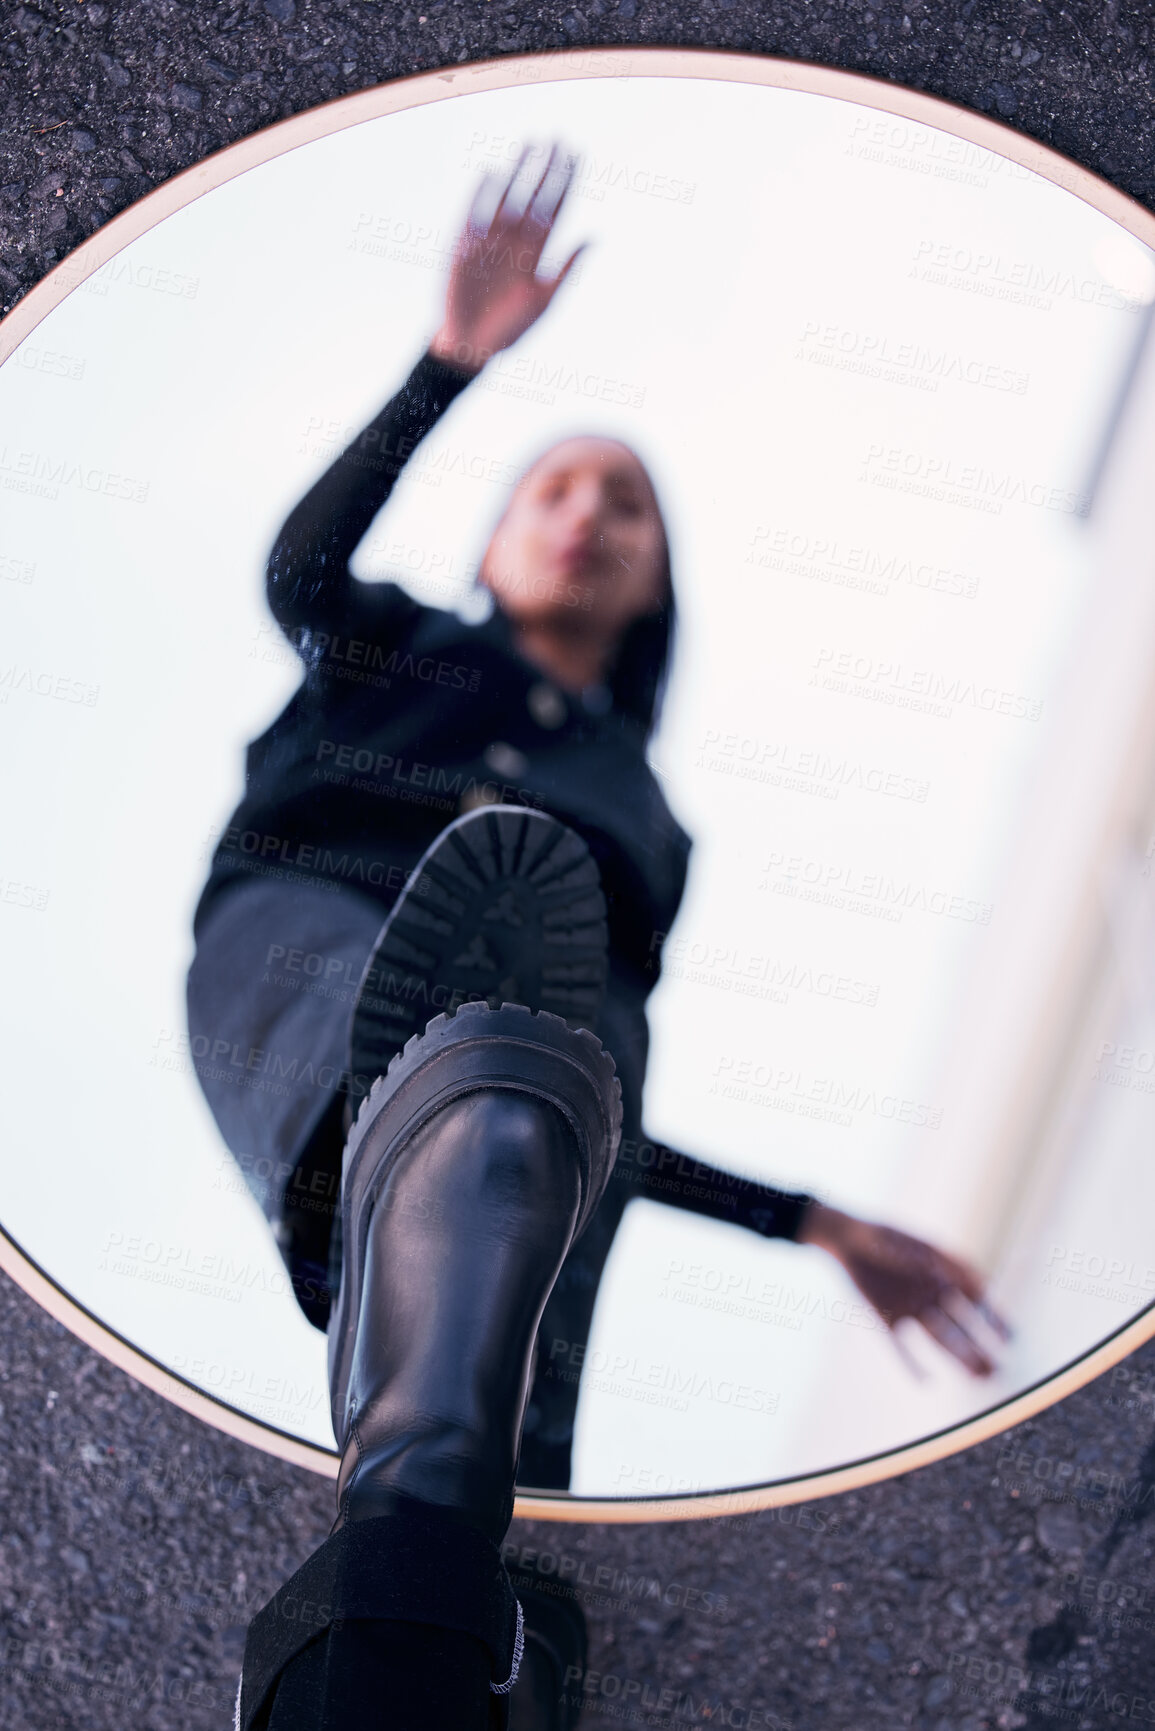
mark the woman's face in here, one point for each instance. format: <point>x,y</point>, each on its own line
<point>581,542</point>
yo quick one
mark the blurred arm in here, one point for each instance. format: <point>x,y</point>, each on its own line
<point>680,1181</point>
<point>309,585</point>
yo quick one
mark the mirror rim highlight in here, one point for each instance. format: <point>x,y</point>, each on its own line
<point>717,65</point>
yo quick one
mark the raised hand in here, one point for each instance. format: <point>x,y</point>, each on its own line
<point>495,292</point>
<point>903,1276</point>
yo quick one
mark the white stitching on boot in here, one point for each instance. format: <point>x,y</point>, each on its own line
<point>518,1650</point>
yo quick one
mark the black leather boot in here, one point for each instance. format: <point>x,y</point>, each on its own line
<point>474,1165</point>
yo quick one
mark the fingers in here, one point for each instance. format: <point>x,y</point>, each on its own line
<point>537,216</point>
<point>993,1320</point>
<point>540,212</point>
<point>529,216</point>
<point>966,1278</point>
<point>500,212</point>
<point>906,1355</point>
<point>954,1338</point>
<point>476,221</point>
<point>969,1282</point>
<point>565,269</point>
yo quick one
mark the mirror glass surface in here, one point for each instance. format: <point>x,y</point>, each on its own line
<point>894,393</point>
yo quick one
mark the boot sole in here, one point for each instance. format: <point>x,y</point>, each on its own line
<point>506,906</point>
<point>477,1047</point>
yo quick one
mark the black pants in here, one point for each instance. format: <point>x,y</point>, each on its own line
<point>271,993</point>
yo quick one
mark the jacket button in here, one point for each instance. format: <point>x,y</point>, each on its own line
<point>546,704</point>
<point>505,760</point>
<point>475,797</point>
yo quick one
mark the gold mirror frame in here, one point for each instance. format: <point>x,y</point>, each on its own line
<point>393,98</point>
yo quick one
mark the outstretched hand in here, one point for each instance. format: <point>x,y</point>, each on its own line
<point>495,292</point>
<point>903,1276</point>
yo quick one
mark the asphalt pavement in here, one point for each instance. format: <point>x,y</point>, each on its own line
<point>1011,1585</point>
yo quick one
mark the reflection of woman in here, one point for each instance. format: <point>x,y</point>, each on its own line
<point>406,718</point>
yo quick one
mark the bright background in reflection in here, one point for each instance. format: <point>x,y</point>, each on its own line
<point>868,367</point>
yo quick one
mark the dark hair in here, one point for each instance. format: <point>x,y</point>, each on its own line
<point>640,670</point>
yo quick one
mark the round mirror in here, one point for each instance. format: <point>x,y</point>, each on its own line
<point>886,367</point>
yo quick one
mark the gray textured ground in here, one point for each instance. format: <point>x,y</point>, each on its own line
<point>135,1542</point>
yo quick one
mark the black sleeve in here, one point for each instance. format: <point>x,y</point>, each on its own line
<point>680,1181</point>
<point>309,586</point>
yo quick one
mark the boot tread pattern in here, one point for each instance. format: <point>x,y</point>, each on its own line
<point>505,906</point>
